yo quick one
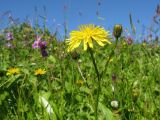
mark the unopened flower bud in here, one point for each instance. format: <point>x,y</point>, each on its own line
<point>117,31</point>
<point>114,77</point>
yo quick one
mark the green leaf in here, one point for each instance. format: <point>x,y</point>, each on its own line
<point>107,114</point>
<point>52,59</point>
<point>10,81</point>
<point>45,103</point>
<point>85,90</point>
<point>3,96</point>
<point>45,94</point>
<point>68,86</point>
<point>26,71</point>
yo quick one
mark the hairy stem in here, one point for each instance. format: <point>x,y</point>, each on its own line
<point>99,82</point>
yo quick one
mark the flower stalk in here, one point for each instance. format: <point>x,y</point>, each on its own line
<point>99,82</point>
<point>100,76</point>
<point>110,56</point>
<point>88,34</point>
<point>117,31</point>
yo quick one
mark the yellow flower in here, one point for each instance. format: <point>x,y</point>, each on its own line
<point>39,72</point>
<point>79,82</point>
<point>13,71</point>
<point>86,34</point>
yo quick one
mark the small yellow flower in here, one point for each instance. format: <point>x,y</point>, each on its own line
<point>39,72</point>
<point>86,34</point>
<point>13,71</point>
<point>79,82</point>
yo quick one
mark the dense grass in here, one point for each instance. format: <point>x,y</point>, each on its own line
<point>68,89</point>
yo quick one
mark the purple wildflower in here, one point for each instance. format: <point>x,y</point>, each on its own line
<point>129,40</point>
<point>40,44</point>
<point>36,44</point>
<point>44,52</point>
<point>9,36</point>
<point>43,44</point>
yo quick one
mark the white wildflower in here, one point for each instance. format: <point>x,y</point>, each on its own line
<point>114,104</point>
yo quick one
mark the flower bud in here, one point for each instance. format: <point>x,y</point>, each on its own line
<point>114,77</point>
<point>117,30</point>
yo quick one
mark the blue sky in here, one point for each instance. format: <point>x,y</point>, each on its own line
<point>76,12</point>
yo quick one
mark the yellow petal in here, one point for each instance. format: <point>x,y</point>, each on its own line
<point>85,46</point>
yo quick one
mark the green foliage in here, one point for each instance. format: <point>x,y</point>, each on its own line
<point>67,91</point>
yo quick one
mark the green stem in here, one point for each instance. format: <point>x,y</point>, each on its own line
<point>110,56</point>
<point>100,76</point>
<point>94,63</point>
<point>99,84</point>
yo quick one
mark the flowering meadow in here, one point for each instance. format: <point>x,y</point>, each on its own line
<point>92,74</point>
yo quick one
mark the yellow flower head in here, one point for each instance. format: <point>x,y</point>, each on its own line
<point>86,34</point>
<point>13,71</point>
<point>39,72</point>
